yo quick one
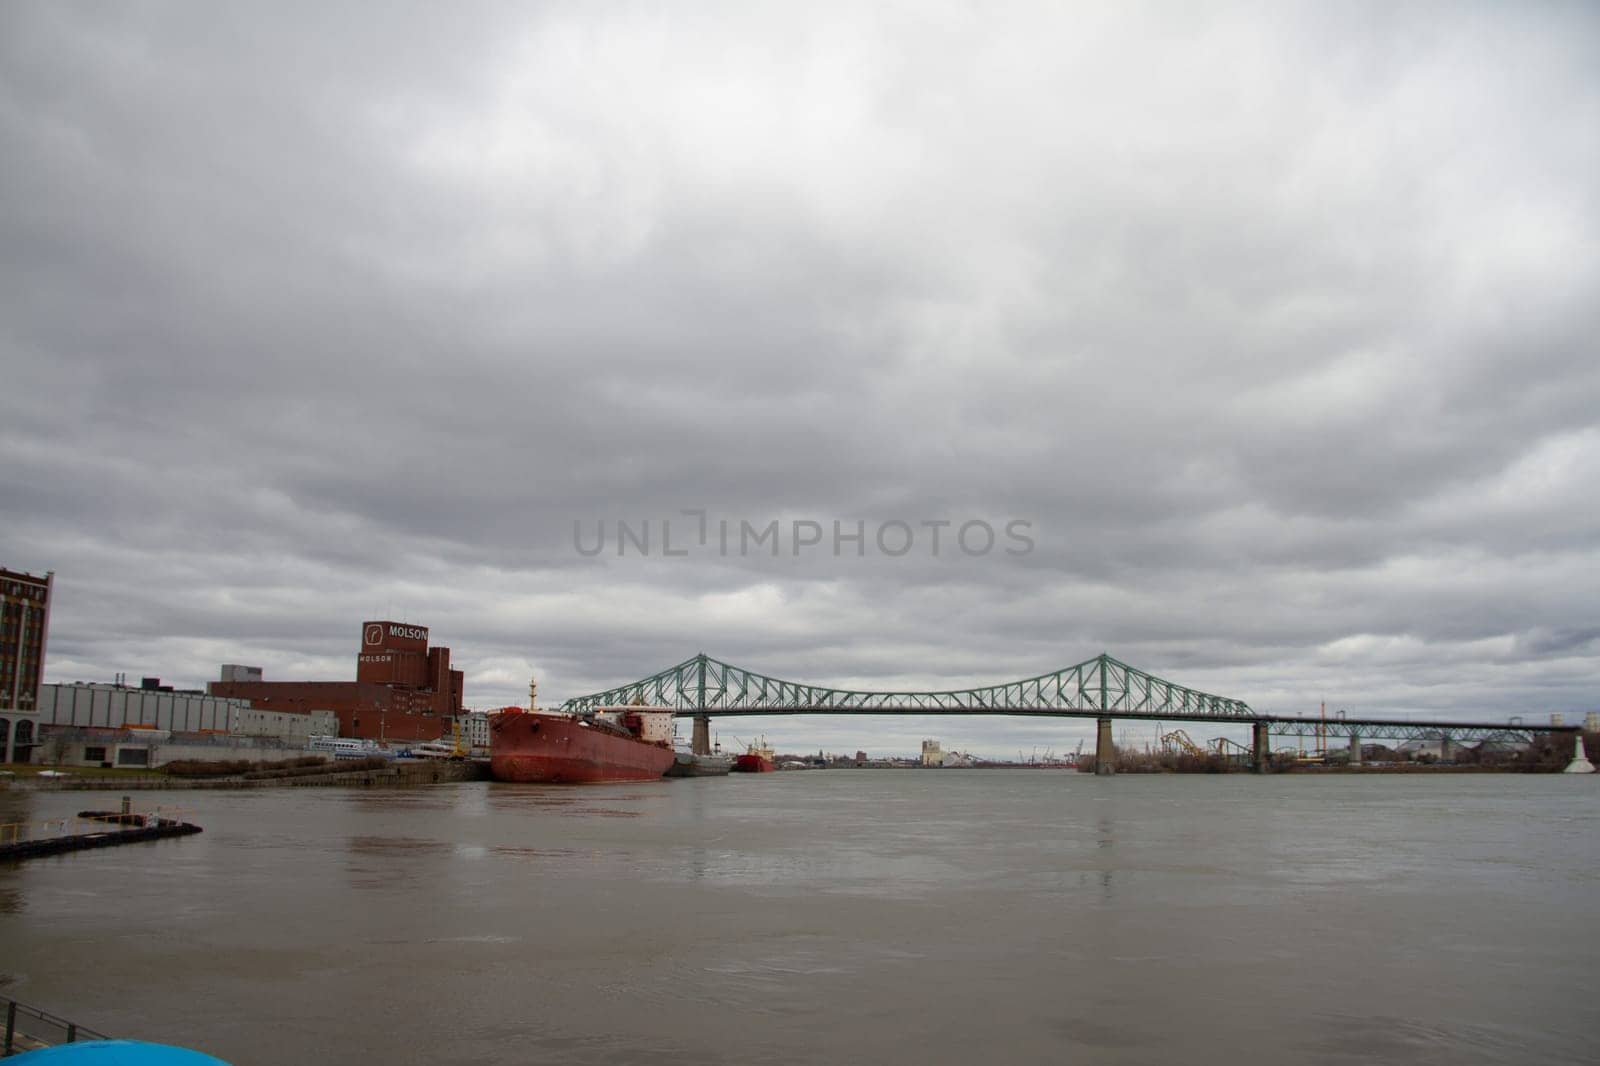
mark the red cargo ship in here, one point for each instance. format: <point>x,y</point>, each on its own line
<point>758,760</point>
<point>613,744</point>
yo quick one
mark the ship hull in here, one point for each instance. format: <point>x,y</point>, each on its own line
<point>686,765</point>
<point>753,764</point>
<point>557,749</point>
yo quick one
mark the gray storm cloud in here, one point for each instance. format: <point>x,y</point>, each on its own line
<point>1276,322</point>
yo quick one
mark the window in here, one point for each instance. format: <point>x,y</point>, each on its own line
<point>133,756</point>
<point>91,754</point>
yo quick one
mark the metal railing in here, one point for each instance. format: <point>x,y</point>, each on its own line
<point>78,825</point>
<point>29,1029</point>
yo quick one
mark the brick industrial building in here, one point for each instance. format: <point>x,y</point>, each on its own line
<point>404,690</point>
<point>24,628</point>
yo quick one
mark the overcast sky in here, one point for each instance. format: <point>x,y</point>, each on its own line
<point>1276,324</point>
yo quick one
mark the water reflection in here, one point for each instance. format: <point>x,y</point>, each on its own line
<point>692,808</point>
<point>408,846</point>
<point>888,917</point>
<point>15,806</point>
<point>1106,840</point>
<point>511,798</point>
<point>399,799</point>
<point>391,862</point>
<point>535,854</point>
<point>604,812</point>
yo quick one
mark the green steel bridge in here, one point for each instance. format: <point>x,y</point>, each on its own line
<point>1102,688</point>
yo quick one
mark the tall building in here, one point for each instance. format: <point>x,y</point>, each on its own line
<point>404,690</point>
<point>24,626</point>
<point>475,729</point>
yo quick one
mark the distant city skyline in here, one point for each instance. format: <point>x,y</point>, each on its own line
<point>1273,323</point>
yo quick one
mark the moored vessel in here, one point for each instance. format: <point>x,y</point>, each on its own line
<point>757,759</point>
<point>612,744</point>
<point>688,764</point>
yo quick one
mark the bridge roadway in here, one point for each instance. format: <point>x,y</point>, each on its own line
<point>1101,688</point>
<point>1262,727</point>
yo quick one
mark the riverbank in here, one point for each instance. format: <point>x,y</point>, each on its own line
<point>400,773</point>
<point>1418,768</point>
<point>1279,768</point>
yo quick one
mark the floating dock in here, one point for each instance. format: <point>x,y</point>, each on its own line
<point>89,829</point>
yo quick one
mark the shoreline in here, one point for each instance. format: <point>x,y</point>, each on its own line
<point>413,774</point>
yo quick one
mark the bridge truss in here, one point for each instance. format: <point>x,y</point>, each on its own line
<point>1380,729</point>
<point>1102,687</point>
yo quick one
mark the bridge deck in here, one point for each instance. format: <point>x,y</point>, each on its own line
<point>1102,687</point>
<point>1365,728</point>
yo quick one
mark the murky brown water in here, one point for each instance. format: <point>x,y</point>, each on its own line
<point>839,916</point>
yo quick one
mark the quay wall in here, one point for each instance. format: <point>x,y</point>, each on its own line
<point>407,774</point>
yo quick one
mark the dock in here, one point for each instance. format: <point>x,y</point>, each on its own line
<point>90,829</point>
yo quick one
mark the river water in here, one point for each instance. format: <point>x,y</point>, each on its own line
<point>836,916</point>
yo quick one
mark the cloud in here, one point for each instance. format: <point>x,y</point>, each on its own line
<point>1276,325</point>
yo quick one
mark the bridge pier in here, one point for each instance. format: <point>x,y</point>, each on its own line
<point>1260,747</point>
<point>1580,763</point>
<point>1355,750</point>
<point>1105,753</point>
<point>700,742</point>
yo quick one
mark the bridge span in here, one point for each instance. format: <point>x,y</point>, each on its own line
<point>1102,688</point>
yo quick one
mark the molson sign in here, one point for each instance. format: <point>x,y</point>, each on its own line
<point>385,634</point>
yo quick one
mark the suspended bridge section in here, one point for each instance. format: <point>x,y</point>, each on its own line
<point>1102,688</point>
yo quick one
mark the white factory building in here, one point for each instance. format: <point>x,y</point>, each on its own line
<point>96,724</point>
<point>118,707</point>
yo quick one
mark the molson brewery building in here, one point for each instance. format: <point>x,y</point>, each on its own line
<point>404,690</point>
